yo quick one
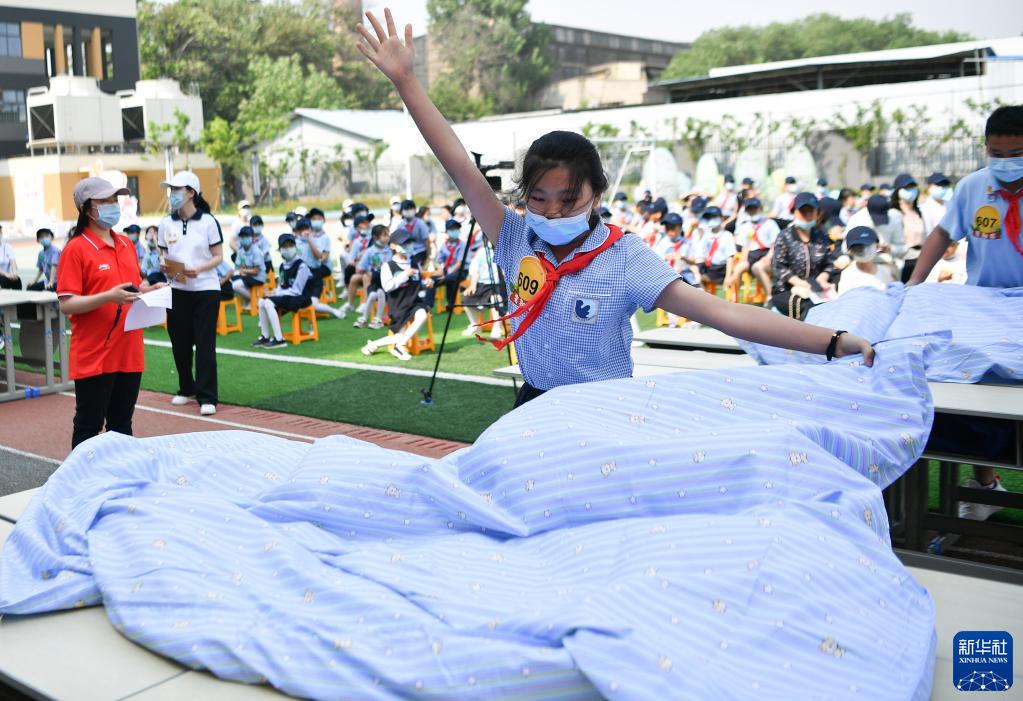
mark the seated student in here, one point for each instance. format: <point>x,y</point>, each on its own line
<point>372,261</point>
<point>672,247</point>
<point>150,265</point>
<point>622,217</point>
<point>410,227</point>
<point>9,278</point>
<point>449,260</point>
<point>314,249</point>
<point>359,244</point>
<point>294,292</point>
<point>952,266</point>
<point>755,237</point>
<point>802,263</point>
<point>132,231</point>
<point>717,248</point>
<point>260,242</point>
<point>485,292</point>
<point>408,298</point>
<point>225,273</point>
<point>862,243</point>
<point>249,264</point>
<point>782,208</point>
<point>46,263</point>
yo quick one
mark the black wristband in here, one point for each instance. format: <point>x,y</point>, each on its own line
<point>833,345</point>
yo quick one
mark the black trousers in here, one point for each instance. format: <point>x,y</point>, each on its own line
<point>797,307</point>
<point>8,284</point>
<point>108,398</point>
<point>192,323</point>
<point>39,286</point>
<point>527,393</point>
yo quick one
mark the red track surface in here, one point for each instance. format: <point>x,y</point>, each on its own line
<point>43,425</point>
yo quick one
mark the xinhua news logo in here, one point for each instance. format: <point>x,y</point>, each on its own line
<point>982,660</point>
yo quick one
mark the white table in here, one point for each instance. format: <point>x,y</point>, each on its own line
<point>704,338</point>
<point>78,656</point>
<point>45,304</point>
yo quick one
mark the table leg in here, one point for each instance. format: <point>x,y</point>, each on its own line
<point>48,343</point>
<point>63,345</point>
<point>9,352</point>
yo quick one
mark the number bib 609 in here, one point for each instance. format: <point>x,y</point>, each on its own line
<point>531,278</point>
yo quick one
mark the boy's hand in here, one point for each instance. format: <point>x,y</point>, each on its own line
<point>385,50</point>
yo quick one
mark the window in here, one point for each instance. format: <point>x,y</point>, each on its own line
<point>10,39</point>
<point>12,108</point>
<point>107,42</point>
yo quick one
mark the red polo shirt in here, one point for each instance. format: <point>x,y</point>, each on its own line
<point>89,266</point>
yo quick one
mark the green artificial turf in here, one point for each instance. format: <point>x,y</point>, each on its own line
<point>1012,480</point>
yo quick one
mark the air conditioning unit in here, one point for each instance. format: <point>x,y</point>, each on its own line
<point>158,102</point>
<point>73,111</point>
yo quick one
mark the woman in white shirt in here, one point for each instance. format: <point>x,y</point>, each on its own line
<point>191,236</point>
<point>9,278</point>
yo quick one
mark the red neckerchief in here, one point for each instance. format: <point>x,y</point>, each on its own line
<point>1012,223</point>
<point>534,307</point>
<point>756,238</point>
<point>451,256</point>
<point>713,248</point>
<point>410,225</point>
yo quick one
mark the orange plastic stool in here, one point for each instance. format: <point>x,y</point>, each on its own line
<point>223,327</point>
<point>297,335</point>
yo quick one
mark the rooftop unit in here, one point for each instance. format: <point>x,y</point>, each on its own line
<point>72,111</point>
<point>158,102</point>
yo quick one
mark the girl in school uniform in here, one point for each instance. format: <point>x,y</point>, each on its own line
<point>575,282</point>
<point>376,256</point>
<point>249,261</point>
<point>151,260</point>
<point>295,287</point>
<point>409,299</point>
<point>191,236</point>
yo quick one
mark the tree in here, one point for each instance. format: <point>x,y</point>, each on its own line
<point>493,55</point>
<point>370,158</point>
<point>816,35</point>
<point>173,135</point>
<point>220,142</point>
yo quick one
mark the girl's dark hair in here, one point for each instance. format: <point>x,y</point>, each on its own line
<point>378,230</point>
<point>563,148</point>
<point>893,200</point>
<point>423,212</point>
<point>845,193</point>
<point>200,204</point>
<point>1007,120</point>
<point>83,220</point>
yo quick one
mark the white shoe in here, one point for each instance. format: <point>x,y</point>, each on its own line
<point>344,309</point>
<point>180,400</point>
<point>208,409</point>
<point>376,324</point>
<point>368,349</point>
<point>338,314</point>
<point>469,332</point>
<point>359,323</point>
<point>496,336</point>
<point>400,353</point>
<point>980,512</point>
<point>361,308</point>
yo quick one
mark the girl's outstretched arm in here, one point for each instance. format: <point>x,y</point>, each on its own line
<point>756,324</point>
<point>396,60</point>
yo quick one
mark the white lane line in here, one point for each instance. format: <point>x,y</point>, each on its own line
<point>324,362</point>
<point>26,454</point>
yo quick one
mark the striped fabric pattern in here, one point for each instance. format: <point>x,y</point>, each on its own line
<point>702,535</point>
<point>985,323</point>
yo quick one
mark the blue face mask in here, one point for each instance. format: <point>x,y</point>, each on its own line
<point>317,225</point>
<point>560,231</point>
<point>107,215</point>
<point>407,250</point>
<point>453,234</point>
<point>176,200</point>
<point>45,242</point>
<point>245,241</point>
<point>804,225</point>
<point>1007,170</point>
<point>289,252</point>
<point>379,244</point>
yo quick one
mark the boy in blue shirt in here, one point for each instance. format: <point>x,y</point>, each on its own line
<point>132,231</point>
<point>150,264</point>
<point>46,263</point>
<point>413,229</point>
<point>249,259</point>
<point>449,259</point>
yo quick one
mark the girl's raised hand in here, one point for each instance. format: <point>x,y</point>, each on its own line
<point>395,59</point>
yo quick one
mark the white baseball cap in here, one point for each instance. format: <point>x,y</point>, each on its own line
<point>301,211</point>
<point>243,204</point>
<point>183,178</point>
<point>95,189</point>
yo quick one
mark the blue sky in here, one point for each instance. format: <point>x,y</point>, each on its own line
<point>684,21</point>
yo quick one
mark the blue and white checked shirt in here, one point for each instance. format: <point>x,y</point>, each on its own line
<point>583,334</point>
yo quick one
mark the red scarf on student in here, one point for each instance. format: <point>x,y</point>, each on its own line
<point>1012,222</point>
<point>534,307</point>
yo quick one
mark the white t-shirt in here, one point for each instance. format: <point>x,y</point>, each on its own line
<point>932,211</point>
<point>956,266</point>
<point>6,256</point>
<point>766,233</point>
<point>718,254</point>
<point>190,242</point>
<point>853,277</point>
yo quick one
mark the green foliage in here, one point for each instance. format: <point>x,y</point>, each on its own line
<point>493,56</point>
<point>370,159</point>
<point>863,127</point>
<point>816,35</point>
<point>220,142</point>
<point>695,135</point>
<point>175,135</point>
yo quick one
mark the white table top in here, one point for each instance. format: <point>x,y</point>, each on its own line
<point>10,298</point>
<point>704,337</point>
<point>12,505</point>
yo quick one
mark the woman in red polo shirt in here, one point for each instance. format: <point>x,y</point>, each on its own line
<point>97,276</point>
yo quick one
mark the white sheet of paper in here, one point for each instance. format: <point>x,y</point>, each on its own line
<point>150,309</point>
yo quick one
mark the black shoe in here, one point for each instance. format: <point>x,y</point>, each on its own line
<point>276,343</point>
<point>260,342</point>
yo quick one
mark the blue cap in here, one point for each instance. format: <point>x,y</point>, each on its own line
<point>452,224</point>
<point>285,238</point>
<point>671,219</point>
<point>604,212</point>
<point>660,205</point>
<point>867,186</point>
<point>860,236</point>
<point>620,196</point>
<point>751,202</point>
<point>132,229</point>
<point>408,204</point>
<point>904,180</point>
<point>747,181</point>
<point>711,212</point>
<point>290,216</point>
<point>245,231</point>
<point>698,205</point>
<point>303,223</point>
<point>730,178</point>
<point>822,182</point>
<point>878,206</point>
<point>937,178</point>
<point>789,180</point>
<point>360,218</point>
<point>803,199</point>
<point>885,186</point>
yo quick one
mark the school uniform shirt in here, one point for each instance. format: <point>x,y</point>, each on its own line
<point>484,268</point>
<point>666,247</point>
<point>649,232</point>
<point>47,258</point>
<point>716,248</point>
<point>99,343</point>
<point>418,231</point>
<point>583,333</point>
<point>360,243</point>
<point>6,256</point>
<point>262,244</point>
<point>374,259</point>
<point>151,262</point>
<point>251,257</point>
<point>931,210</point>
<point>727,202</point>
<point>622,218</point>
<point>404,291</point>
<point>190,241</point>
<point>977,213</point>
<point>449,256</point>
<point>322,243</point>
<point>782,207</point>
<point>853,277</point>
<point>293,282</point>
<point>140,251</point>
<point>757,236</point>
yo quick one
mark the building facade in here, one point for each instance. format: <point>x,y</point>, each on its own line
<point>40,40</point>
